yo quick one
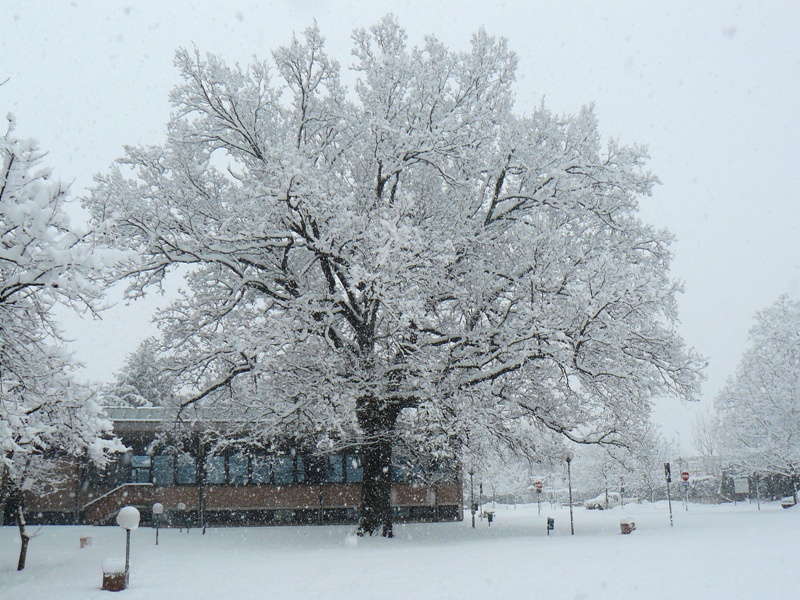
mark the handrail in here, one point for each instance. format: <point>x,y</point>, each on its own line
<point>115,490</point>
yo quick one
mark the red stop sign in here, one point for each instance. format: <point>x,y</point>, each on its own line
<point>539,485</point>
<point>685,475</point>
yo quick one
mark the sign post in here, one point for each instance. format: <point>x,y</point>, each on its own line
<point>668,477</point>
<point>538,485</point>
<point>685,484</point>
<point>741,485</point>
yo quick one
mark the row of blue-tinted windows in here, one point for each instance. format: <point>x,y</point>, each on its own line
<point>240,469</point>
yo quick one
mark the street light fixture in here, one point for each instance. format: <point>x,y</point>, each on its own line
<point>128,519</point>
<point>568,456</point>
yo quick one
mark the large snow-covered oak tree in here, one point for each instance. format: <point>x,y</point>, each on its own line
<point>759,408</point>
<point>411,258</point>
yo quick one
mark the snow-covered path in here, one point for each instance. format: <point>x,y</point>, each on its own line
<point>712,552</point>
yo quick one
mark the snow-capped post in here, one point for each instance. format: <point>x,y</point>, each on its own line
<point>539,485</point>
<point>685,488</point>
<point>128,519</point>
<point>668,477</point>
<point>158,510</point>
<point>568,456</point>
<point>627,525</point>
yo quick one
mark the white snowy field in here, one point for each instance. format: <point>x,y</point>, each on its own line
<point>725,552</point>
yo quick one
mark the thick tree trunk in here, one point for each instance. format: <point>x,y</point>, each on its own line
<point>376,509</point>
<point>23,536</point>
<point>378,424</point>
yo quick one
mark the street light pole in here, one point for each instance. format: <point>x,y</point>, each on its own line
<point>472,495</point>
<point>158,510</point>
<point>128,519</point>
<point>127,555</point>
<point>568,456</point>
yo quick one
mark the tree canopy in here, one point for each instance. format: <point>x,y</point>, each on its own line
<point>410,259</point>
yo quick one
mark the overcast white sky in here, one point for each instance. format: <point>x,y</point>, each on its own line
<point>713,88</point>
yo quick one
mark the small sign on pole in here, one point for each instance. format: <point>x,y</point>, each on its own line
<point>741,485</point>
<point>684,475</point>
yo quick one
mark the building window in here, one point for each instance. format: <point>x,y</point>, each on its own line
<point>238,467</point>
<point>398,474</point>
<point>163,470</point>
<point>140,469</point>
<point>261,469</point>
<point>334,472</point>
<point>284,470</point>
<point>187,470</point>
<point>354,470</point>
<point>215,470</point>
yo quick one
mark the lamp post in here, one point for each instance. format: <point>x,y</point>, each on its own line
<point>472,495</point>
<point>181,508</point>
<point>128,519</point>
<point>158,510</point>
<point>568,456</point>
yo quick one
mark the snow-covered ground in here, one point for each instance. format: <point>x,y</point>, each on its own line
<point>726,552</point>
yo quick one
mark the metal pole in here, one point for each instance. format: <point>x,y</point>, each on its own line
<point>569,480</point>
<point>127,555</point>
<point>669,500</point>
<point>472,496</point>
<point>538,501</point>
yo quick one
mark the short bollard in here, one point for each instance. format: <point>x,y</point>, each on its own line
<point>114,574</point>
<point>626,526</point>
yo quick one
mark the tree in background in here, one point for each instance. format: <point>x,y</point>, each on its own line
<point>44,413</point>
<point>645,465</point>
<point>411,259</point>
<point>706,439</point>
<point>759,408</point>
<point>141,381</point>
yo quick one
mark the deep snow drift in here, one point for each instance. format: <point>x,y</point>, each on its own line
<point>723,552</point>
